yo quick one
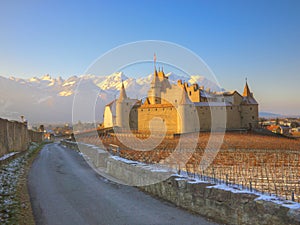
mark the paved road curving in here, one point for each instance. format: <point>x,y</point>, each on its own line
<point>64,190</point>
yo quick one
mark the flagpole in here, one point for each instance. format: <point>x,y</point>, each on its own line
<point>154,59</point>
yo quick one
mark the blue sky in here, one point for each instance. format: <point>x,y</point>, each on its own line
<point>257,39</point>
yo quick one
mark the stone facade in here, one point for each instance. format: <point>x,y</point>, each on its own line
<point>183,108</point>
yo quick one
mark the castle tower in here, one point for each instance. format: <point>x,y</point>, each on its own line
<point>186,116</point>
<point>122,109</point>
<point>154,93</point>
<point>249,109</point>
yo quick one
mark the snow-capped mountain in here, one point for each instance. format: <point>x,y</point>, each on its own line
<point>47,99</point>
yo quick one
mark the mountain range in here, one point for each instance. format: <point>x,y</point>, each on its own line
<point>269,115</point>
<point>47,99</point>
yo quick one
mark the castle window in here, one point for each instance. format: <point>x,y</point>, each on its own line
<point>156,109</point>
<point>250,108</point>
<point>253,117</point>
<point>175,100</point>
<point>190,93</point>
<point>148,110</point>
<point>127,103</point>
<point>231,107</point>
<point>142,110</point>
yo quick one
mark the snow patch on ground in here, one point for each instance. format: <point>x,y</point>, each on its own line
<point>8,155</point>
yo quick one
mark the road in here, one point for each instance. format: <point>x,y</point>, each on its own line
<point>64,190</point>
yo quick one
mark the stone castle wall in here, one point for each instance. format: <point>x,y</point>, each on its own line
<point>15,137</point>
<point>249,116</point>
<point>167,114</point>
<point>236,117</point>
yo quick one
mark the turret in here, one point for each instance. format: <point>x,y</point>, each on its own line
<point>154,93</point>
<point>123,95</point>
<point>249,109</point>
<point>155,81</point>
<point>246,92</point>
<point>248,95</point>
<point>186,115</point>
<point>185,100</point>
<point>122,109</point>
<point>161,75</point>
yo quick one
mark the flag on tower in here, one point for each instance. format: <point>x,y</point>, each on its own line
<point>154,57</point>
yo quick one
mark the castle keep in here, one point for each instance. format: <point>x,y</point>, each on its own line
<point>182,108</point>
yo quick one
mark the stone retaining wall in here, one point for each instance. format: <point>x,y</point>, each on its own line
<point>222,205</point>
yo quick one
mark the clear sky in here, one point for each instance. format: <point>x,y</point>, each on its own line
<point>257,39</point>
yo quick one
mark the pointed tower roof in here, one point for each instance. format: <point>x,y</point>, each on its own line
<point>184,97</point>
<point>248,96</point>
<point>123,95</point>
<point>155,72</point>
<point>147,101</point>
<point>155,82</point>
<point>246,92</point>
<point>154,63</point>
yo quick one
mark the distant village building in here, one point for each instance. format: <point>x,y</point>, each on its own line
<point>295,131</point>
<point>278,129</point>
<point>182,108</point>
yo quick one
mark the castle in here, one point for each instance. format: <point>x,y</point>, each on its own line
<point>182,108</point>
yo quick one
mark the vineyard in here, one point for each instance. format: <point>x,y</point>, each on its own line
<point>256,162</point>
